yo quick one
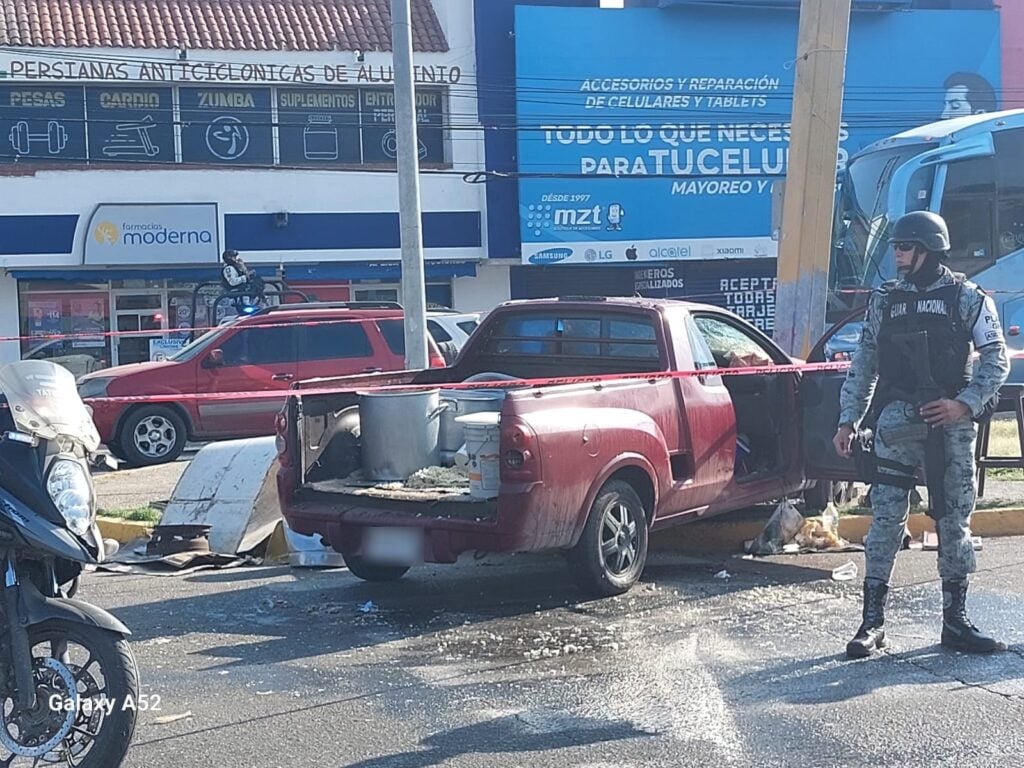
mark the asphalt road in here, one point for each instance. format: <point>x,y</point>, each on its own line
<point>499,663</point>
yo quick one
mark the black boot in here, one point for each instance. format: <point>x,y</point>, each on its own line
<point>958,632</point>
<point>871,635</point>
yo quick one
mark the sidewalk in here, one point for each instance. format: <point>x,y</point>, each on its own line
<point>135,488</point>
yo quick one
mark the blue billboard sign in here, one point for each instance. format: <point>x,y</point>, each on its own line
<point>41,123</point>
<point>226,125</point>
<point>130,125</point>
<point>656,135</point>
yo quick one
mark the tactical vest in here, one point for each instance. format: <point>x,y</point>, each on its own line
<point>937,313</point>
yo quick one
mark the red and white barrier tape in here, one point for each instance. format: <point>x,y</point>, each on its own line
<point>199,330</point>
<point>652,377</point>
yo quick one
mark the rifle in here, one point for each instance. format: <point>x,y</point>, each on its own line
<point>915,347</point>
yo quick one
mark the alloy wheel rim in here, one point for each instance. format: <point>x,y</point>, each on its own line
<point>620,538</point>
<point>155,436</point>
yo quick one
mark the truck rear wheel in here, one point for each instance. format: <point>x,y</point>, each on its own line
<point>361,569</point>
<point>610,555</point>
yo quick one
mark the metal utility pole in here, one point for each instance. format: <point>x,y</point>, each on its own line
<point>806,240</point>
<point>414,297</point>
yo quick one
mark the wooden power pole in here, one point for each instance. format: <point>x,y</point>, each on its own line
<point>805,243</point>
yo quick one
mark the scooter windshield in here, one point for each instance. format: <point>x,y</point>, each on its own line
<point>44,401</point>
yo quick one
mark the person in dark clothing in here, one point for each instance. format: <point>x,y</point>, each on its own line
<point>239,281</point>
<point>927,410</point>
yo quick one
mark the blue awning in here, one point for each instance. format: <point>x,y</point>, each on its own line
<point>337,270</point>
<point>857,4</point>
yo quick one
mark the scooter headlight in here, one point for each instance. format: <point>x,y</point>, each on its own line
<point>69,487</point>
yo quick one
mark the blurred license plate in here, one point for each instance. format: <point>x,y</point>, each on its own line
<point>393,546</point>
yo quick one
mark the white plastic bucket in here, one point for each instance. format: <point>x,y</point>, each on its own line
<point>483,445</point>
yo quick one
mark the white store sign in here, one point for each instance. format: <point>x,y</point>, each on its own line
<point>164,233</point>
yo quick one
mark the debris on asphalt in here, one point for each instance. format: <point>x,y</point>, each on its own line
<point>847,572</point>
<point>368,607</point>
<point>134,559</point>
<point>815,535</point>
<point>783,525</point>
<point>788,533</point>
<point>167,719</point>
<point>723,575</point>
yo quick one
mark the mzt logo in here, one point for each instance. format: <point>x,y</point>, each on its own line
<point>551,256</point>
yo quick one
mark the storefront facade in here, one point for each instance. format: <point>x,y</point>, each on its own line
<point>126,171</point>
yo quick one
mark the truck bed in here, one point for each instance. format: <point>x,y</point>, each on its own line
<point>438,502</point>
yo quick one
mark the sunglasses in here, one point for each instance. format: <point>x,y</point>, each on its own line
<point>903,245</point>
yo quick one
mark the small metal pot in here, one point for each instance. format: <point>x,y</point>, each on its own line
<point>399,432</point>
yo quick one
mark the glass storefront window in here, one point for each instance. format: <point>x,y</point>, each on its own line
<point>136,285</point>
<point>438,294</point>
<point>162,312</point>
<point>78,314</point>
<point>134,301</point>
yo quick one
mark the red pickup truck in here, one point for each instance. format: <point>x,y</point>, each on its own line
<point>586,468</point>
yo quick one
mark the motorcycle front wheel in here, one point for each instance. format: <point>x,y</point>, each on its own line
<point>87,700</point>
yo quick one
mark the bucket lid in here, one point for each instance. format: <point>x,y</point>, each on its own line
<point>485,419</point>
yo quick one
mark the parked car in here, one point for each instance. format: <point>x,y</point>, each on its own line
<point>586,468</point>
<point>62,352</point>
<point>263,352</point>
<point>451,329</point>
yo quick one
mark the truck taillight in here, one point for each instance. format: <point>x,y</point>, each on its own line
<point>520,457</point>
<point>436,361</point>
<point>281,442</point>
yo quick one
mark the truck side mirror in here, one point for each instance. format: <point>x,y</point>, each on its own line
<point>215,359</point>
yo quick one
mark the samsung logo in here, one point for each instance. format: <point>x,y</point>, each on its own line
<point>551,256</point>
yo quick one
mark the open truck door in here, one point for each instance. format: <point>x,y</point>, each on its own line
<point>819,400</point>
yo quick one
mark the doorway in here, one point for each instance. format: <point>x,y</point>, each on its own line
<point>137,311</point>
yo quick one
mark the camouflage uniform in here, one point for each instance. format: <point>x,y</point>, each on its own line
<point>890,504</point>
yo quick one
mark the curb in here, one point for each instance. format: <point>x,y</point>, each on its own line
<point>123,531</point>
<point>725,535</point>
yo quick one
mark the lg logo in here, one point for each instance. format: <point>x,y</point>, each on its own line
<point>594,255</point>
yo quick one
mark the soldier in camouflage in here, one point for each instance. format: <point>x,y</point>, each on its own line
<point>931,311</point>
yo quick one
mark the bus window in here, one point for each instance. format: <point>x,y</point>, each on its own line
<point>968,207</point>
<point>1010,190</point>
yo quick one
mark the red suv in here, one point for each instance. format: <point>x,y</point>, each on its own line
<point>262,352</point>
